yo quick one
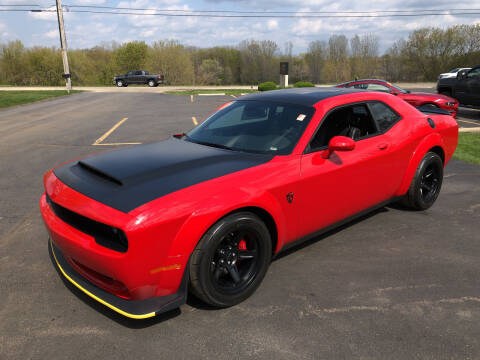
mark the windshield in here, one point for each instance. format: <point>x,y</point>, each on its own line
<point>454,70</point>
<point>398,88</point>
<point>254,126</point>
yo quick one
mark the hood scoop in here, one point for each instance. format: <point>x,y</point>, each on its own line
<point>99,173</point>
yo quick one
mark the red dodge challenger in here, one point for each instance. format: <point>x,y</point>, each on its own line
<point>206,211</point>
<point>417,99</point>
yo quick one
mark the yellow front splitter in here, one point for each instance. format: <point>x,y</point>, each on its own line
<point>135,309</point>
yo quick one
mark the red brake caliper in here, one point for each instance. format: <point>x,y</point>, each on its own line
<point>242,245</point>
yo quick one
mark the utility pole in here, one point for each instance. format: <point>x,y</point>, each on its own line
<point>63,43</point>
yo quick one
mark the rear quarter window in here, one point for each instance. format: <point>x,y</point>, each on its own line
<point>383,115</point>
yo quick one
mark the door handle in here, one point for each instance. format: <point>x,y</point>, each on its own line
<point>383,146</point>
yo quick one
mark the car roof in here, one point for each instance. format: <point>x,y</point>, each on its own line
<point>363,80</point>
<point>300,96</point>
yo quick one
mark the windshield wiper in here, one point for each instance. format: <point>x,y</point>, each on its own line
<point>220,146</point>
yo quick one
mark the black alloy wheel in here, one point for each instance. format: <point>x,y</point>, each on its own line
<point>231,260</point>
<point>426,184</point>
<point>430,183</point>
<point>235,262</point>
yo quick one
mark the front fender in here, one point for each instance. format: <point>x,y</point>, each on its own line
<point>216,208</point>
<point>430,141</point>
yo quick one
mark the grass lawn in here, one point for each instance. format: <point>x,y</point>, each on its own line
<point>468,148</point>
<point>15,97</point>
<point>219,91</point>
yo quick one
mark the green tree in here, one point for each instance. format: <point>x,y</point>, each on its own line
<point>210,72</point>
<point>173,60</point>
<point>131,56</point>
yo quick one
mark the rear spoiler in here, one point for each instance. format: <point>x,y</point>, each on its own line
<point>431,110</point>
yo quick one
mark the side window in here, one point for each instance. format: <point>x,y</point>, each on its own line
<point>362,86</point>
<point>474,73</point>
<point>130,73</point>
<point>383,115</point>
<point>354,121</point>
<point>378,87</point>
<point>138,72</point>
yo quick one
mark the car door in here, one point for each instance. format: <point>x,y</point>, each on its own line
<point>461,92</point>
<point>130,77</point>
<point>473,87</point>
<point>347,182</point>
<point>139,78</point>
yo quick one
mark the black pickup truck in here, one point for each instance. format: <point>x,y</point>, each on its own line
<point>465,87</point>
<point>138,77</point>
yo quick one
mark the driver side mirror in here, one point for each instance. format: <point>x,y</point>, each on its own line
<point>339,143</point>
<point>393,92</point>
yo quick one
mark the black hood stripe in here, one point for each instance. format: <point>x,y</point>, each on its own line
<point>128,178</point>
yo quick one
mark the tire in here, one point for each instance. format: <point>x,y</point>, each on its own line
<point>426,183</point>
<point>151,83</point>
<point>120,83</point>
<point>239,241</point>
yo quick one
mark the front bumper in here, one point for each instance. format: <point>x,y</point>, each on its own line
<point>135,309</point>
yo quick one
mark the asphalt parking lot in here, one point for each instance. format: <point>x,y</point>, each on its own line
<point>393,285</point>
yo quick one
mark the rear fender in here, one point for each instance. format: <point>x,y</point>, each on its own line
<point>423,147</point>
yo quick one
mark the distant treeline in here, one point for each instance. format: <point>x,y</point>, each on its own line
<point>421,57</point>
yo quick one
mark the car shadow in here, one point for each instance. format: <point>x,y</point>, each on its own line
<point>191,299</point>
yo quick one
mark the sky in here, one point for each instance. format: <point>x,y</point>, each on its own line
<point>86,30</point>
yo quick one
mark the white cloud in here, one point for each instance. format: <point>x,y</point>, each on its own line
<point>90,2</point>
<point>52,34</point>
<point>272,24</point>
<point>87,29</point>
<point>51,15</point>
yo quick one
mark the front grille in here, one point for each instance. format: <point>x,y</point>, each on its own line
<point>104,235</point>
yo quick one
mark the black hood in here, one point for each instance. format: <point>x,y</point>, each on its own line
<point>128,178</point>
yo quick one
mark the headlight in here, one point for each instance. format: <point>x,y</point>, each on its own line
<point>449,103</point>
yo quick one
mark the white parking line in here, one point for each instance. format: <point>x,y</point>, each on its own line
<point>469,122</point>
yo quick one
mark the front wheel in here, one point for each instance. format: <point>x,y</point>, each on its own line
<point>426,183</point>
<point>231,260</point>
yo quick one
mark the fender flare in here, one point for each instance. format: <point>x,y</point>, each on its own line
<point>422,148</point>
<point>198,223</point>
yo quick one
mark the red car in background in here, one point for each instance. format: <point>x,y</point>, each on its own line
<point>417,99</point>
<point>204,212</point>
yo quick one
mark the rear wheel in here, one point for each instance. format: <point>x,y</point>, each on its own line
<point>151,83</point>
<point>120,83</point>
<point>231,260</point>
<point>426,183</point>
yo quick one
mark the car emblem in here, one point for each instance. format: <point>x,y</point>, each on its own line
<point>290,197</point>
